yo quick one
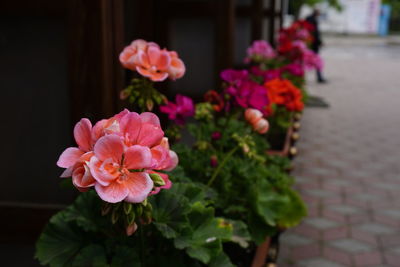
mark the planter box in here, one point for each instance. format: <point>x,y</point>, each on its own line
<point>288,140</point>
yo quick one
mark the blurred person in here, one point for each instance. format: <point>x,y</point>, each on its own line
<point>317,41</point>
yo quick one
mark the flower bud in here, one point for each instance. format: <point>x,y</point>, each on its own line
<point>130,229</point>
<point>124,94</point>
<point>245,148</point>
<point>216,135</point>
<point>261,126</point>
<point>214,161</point>
<point>157,179</point>
<point>252,115</point>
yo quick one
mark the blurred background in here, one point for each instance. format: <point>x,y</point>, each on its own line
<point>59,63</point>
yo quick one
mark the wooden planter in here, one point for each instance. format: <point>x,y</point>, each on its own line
<point>288,149</point>
<point>267,253</point>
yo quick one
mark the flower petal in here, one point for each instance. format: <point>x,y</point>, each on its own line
<point>83,134</point>
<point>67,172</point>
<point>130,125</point>
<point>173,161</point>
<point>113,193</point>
<point>149,117</point>
<point>82,178</point>
<point>164,61</point>
<point>139,185</point>
<point>99,173</point>
<point>109,147</point>
<point>150,135</point>
<point>137,157</point>
<point>69,157</point>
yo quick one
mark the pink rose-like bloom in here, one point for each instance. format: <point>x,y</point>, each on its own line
<point>256,120</point>
<point>180,110</point>
<point>260,49</point>
<point>152,62</point>
<point>117,155</point>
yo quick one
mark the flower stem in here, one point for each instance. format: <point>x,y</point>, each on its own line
<point>219,168</point>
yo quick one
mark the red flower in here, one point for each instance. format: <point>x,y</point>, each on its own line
<point>215,99</point>
<point>283,92</point>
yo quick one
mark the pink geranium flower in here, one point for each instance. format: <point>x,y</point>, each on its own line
<point>260,50</point>
<point>152,62</point>
<point>180,110</point>
<point>177,68</point>
<point>117,155</point>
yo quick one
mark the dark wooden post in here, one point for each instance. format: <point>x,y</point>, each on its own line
<point>271,25</point>
<point>95,40</point>
<point>225,21</point>
<point>257,15</point>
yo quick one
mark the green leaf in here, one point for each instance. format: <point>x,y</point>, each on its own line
<point>221,261</point>
<point>240,233</point>
<point>59,242</point>
<point>92,255</point>
<point>125,257</point>
<point>169,212</point>
<point>203,241</point>
<point>292,213</point>
<point>86,212</point>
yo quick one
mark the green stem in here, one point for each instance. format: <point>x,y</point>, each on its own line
<point>219,168</point>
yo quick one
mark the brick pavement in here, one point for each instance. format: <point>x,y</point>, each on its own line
<point>348,166</point>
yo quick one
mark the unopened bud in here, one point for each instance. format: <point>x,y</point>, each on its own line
<point>214,161</point>
<point>124,94</point>
<point>246,149</point>
<point>130,229</point>
<point>157,179</point>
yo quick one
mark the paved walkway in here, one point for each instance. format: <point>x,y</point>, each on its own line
<point>348,167</point>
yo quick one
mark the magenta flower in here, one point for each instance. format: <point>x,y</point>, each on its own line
<point>180,110</point>
<point>244,91</point>
<point>234,76</point>
<point>266,74</point>
<point>251,94</point>
<point>295,69</point>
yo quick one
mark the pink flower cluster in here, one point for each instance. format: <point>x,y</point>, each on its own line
<point>152,62</point>
<point>246,92</point>
<point>260,50</point>
<point>256,120</point>
<point>308,58</point>
<point>181,109</point>
<point>117,156</point>
<point>295,69</point>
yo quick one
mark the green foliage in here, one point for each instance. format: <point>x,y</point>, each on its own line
<point>250,186</point>
<point>184,230</point>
